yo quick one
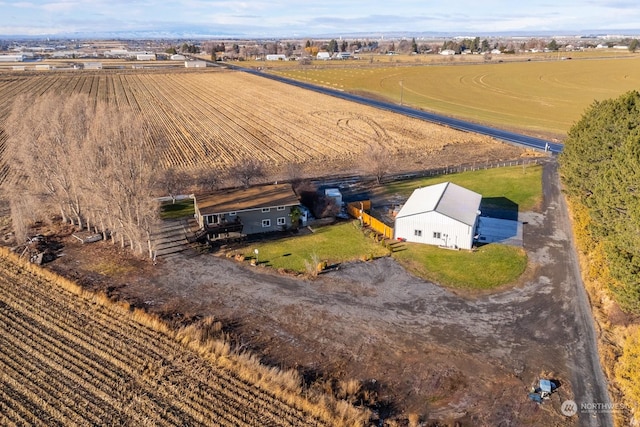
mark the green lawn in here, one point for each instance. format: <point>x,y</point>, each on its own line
<point>488,267</point>
<point>179,209</point>
<point>517,184</point>
<point>334,244</point>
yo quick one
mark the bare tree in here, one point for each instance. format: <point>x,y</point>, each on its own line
<point>130,171</point>
<point>88,160</point>
<point>174,182</point>
<point>248,171</point>
<point>44,143</point>
<point>376,162</point>
<point>207,180</point>
<point>294,173</point>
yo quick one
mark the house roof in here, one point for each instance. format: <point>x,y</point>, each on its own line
<point>263,196</point>
<point>447,199</point>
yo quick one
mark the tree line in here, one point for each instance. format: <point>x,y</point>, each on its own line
<point>91,165</point>
<point>84,162</point>
<point>600,167</point>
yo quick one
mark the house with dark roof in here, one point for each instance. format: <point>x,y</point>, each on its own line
<point>253,210</point>
<point>444,215</point>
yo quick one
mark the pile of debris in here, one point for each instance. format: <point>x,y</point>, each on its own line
<point>37,249</point>
<point>543,391</point>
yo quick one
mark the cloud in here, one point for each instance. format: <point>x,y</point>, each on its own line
<point>285,17</point>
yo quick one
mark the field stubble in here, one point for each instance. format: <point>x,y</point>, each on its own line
<point>72,357</point>
<point>217,119</point>
<point>539,95</point>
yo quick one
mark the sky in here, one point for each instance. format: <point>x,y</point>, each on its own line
<point>300,18</point>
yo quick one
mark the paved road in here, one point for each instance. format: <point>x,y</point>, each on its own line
<point>510,137</point>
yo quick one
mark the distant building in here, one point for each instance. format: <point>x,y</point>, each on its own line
<point>443,215</point>
<point>63,54</point>
<point>146,57</point>
<point>195,64</point>
<point>43,67</point>
<point>278,57</point>
<point>177,57</point>
<point>323,55</point>
<point>343,55</point>
<point>447,52</point>
<point>117,53</point>
<point>12,58</point>
<point>92,65</point>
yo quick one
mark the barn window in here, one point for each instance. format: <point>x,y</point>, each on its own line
<point>232,214</point>
<point>266,209</point>
<point>417,233</point>
<point>280,208</point>
<point>282,221</point>
<point>266,223</point>
<point>436,235</point>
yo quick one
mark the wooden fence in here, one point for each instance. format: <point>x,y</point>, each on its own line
<point>357,210</point>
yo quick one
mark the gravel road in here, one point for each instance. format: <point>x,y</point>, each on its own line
<point>589,382</point>
<point>438,352</point>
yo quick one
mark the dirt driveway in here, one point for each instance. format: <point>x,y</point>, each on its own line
<point>416,347</point>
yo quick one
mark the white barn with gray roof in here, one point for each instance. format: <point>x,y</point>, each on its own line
<point>443,215</point>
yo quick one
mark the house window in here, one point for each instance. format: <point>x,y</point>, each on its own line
<point>282,221</point>
<point>436,235</point>
<point>232,214</point>
<point>417,233</point>
<point>280,208</point>
<point>266,223</point>
<point>266,209</point>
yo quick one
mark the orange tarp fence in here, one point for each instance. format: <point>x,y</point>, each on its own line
<point>357,210</point>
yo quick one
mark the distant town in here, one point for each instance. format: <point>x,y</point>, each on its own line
<point>33,50</point>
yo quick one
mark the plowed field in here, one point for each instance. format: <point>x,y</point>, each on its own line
<point>75,359</point>
<point>215,119</point>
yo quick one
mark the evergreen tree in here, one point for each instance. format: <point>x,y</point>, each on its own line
<point>600,167</point>
<point>333,46</point>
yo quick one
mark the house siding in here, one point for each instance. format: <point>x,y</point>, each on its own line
<point>453,233</point>
<point>252,220</point>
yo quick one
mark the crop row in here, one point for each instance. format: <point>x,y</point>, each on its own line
<point>216,119</point>
<point>69,361</point>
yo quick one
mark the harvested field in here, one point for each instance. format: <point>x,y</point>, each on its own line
<point>70,357</point>
<point>215,119</point>
<point>543,97</point>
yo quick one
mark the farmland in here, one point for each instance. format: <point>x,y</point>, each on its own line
<point>539,97</point>
<point>216,119</point>
<point>70,357</point>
